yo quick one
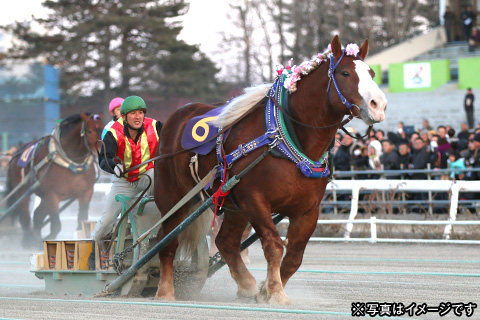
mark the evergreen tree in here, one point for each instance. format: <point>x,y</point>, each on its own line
<point>109,48</point>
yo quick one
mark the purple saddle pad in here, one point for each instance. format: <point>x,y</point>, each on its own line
<point>27,155</point>
<point>199,132</point>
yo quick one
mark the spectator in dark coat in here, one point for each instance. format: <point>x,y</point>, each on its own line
<point>389,158</point>
<point>464,133</point>
<point>468,106</point>
<point>474,160</point>
<point>468,21</point>
<point>420,158</point>
<point>342,158</point>
<point>474,41</point>
<point>404,156</point>
<point>449,22</point>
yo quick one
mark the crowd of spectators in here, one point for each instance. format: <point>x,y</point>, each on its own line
<point>400,149</point>
<point>412,152</point>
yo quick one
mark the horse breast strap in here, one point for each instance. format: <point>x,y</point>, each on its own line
<point>62,160</point>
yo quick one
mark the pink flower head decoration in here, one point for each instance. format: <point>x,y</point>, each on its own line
<point>294,73</point>
<point>329,48</point>
<point>352,49</point>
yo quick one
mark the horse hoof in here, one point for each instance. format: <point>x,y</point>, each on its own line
<point>168,295</point>
<point>279,298</point>
<point>247,292</point>
<point>260,298</point>
<point>165,297</point>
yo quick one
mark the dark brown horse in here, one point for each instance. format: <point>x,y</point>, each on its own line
<point>69,173</point>
<point>275,184</point>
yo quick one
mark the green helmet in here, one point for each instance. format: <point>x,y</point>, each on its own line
<point>133,103</point>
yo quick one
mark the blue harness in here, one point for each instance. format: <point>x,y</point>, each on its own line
<point>276,137</point>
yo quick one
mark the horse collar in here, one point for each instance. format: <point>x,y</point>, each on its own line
<point>55,148</point>
<point>277,138</point>
<point>275,122</point>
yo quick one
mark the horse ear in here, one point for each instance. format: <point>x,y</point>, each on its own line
<point>83,116</point>
<point>364,50</point>
<point>336,47</point>
<point>101,115</point>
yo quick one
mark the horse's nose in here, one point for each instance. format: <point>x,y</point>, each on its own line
<point>377,104</point>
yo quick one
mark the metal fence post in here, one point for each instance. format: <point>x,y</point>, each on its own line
<point>373,229</point>
<point>402,177</point>
<point>353,209</point>
<point>455,190</point>
<point>429,177</point>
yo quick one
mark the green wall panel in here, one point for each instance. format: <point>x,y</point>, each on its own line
<point>378,73</point>
<point>469,73</point>
<point>439,75</point>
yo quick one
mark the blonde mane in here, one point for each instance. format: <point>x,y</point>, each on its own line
<point>241,104</point>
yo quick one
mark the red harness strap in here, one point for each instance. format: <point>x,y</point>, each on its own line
<point>219,193</point>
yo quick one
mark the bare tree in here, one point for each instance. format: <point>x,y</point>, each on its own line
<point>244,22</point>
<point>272,31</point>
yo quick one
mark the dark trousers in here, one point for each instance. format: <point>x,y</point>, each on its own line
<point>449,32</point>
<point>470,118</point>
<point>467,31</point>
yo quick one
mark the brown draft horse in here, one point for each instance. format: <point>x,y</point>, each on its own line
<point>274,185</point>
<point>70,174</point>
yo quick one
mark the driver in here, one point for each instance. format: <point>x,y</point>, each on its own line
<point>114,108</point>
<point>133,139</point>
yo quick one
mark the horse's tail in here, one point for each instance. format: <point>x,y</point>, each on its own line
<point>189,239</point>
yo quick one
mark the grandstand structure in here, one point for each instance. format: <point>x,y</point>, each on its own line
<point>29,100</point>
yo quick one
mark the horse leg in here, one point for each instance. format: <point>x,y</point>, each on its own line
<point>299,232</point>
<point>23,212</point>
<point>271,290</point>
<point>213,235</point>
<point>48,206</point>
<point>166,290</point>
<point>228,242</point>
<point>244,253</point>
<point>83,205</point>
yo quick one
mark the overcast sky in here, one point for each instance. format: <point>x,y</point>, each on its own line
<point>201,24</point>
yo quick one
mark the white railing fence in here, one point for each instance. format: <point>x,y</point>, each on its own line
<point>450,186</point>
<point>356,186</point>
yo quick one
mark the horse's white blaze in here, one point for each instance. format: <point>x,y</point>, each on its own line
<point>370,91</point>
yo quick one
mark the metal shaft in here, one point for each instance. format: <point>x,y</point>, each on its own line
<point>118,282</point>
<point>245,244</point>
<point>14,205</point>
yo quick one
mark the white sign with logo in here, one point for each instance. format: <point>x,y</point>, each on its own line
<point>417,75</point>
